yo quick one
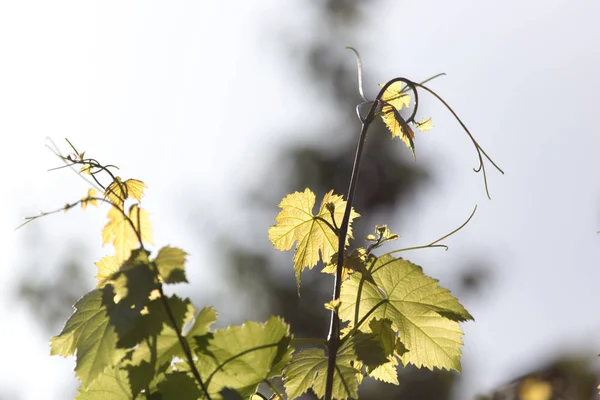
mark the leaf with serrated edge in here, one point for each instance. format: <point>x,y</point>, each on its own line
<point>202,322</point>
<point>396,127</point>
<point>107,266</point>
<point>119,191</point>
<point>88,333</point>
<point>423,314</point>
<point>163,338</point>
<point>111,384</point>
<point>170,262</point>
<point>315,239</point>
<point>241,357</point>
<point>396,96</point>
<point>120,232</point>
<point>308,369</point>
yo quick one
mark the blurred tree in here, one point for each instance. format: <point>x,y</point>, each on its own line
<point>565,378</point>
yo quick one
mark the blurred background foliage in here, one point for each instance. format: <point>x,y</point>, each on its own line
<point>263,277</point>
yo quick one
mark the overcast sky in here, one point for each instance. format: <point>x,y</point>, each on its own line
<point>150,86</point>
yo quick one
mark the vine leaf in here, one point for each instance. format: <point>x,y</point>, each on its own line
<point>399,128</point>
<point>179,386</point>
<point>241,357</point>
<point>107,266</point>
<point>354,262</point>
<point>424,125</point>
<point>395,100</point>
<point>308,369</point>
<point>316,240</point>
<point>119,231</point>
<point>90,199</point>
<point>170,262</point>
<point>89,334</point>
<point>424,315</point>
<point>119,191</point>
<point>111,384</point>
<point>395,95</point>
<point>163,344</point>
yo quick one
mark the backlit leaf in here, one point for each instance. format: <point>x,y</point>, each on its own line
<point>89,199</point>
<point>111,384</point>
<point>241,357</point>
<point>107,266</point>
<point>399,128</point>
<point>424,315</point>
<point>424,125</point>
<point>315,240</point>
<point>396,96</point>
<point>120,232</point>
<point>119,191</point>
<point>308,369</point>
<point>89,334</point>
<point>170,262</point>
<point>163,343</point>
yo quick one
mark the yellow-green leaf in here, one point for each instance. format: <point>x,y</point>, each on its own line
<point>107,266</point>
<point>424,125</point>
<point>120,231</point>
<point>89,199</point>
<point>424,315</point>
<point>308,369</point>
<point>395,95</point>
<point>89,334</point>
<point>398,127</point>
<point>170,262</point>
<point>119,191</point>
<point>313,234</point>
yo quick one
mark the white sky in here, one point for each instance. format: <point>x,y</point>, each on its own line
<point>189,95</point>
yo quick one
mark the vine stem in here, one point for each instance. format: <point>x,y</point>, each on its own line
<point>333,337</point>
<point>184,344</point>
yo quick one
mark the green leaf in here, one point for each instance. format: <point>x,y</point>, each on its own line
<point>205,318</point>
<point>313,234</point>
<point>241,357</point>
<point>111,384</point>
<point>308,369</point>
<point>170,262</point>
<point>158,341</point>
<point>424,315</point>
<point>89,333</point>
<point>179,386</point>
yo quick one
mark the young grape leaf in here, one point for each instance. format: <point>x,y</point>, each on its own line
<point>424,125</point>
<point>313,234</point>
<point>398,126</point>
<point>396,98</point>
<point>241,357</point>
<point>89,334</point>
<point>119,231</point>
<point>170,262</point>
<point>89,199</point>
<point>118,191</point>
<point>107,266</point>
<point>424,315</point>
<point>111,384</point>
<point>395,95</point>
<point>308,369</point>
<point>354,262</point>
<point>205,318</point>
